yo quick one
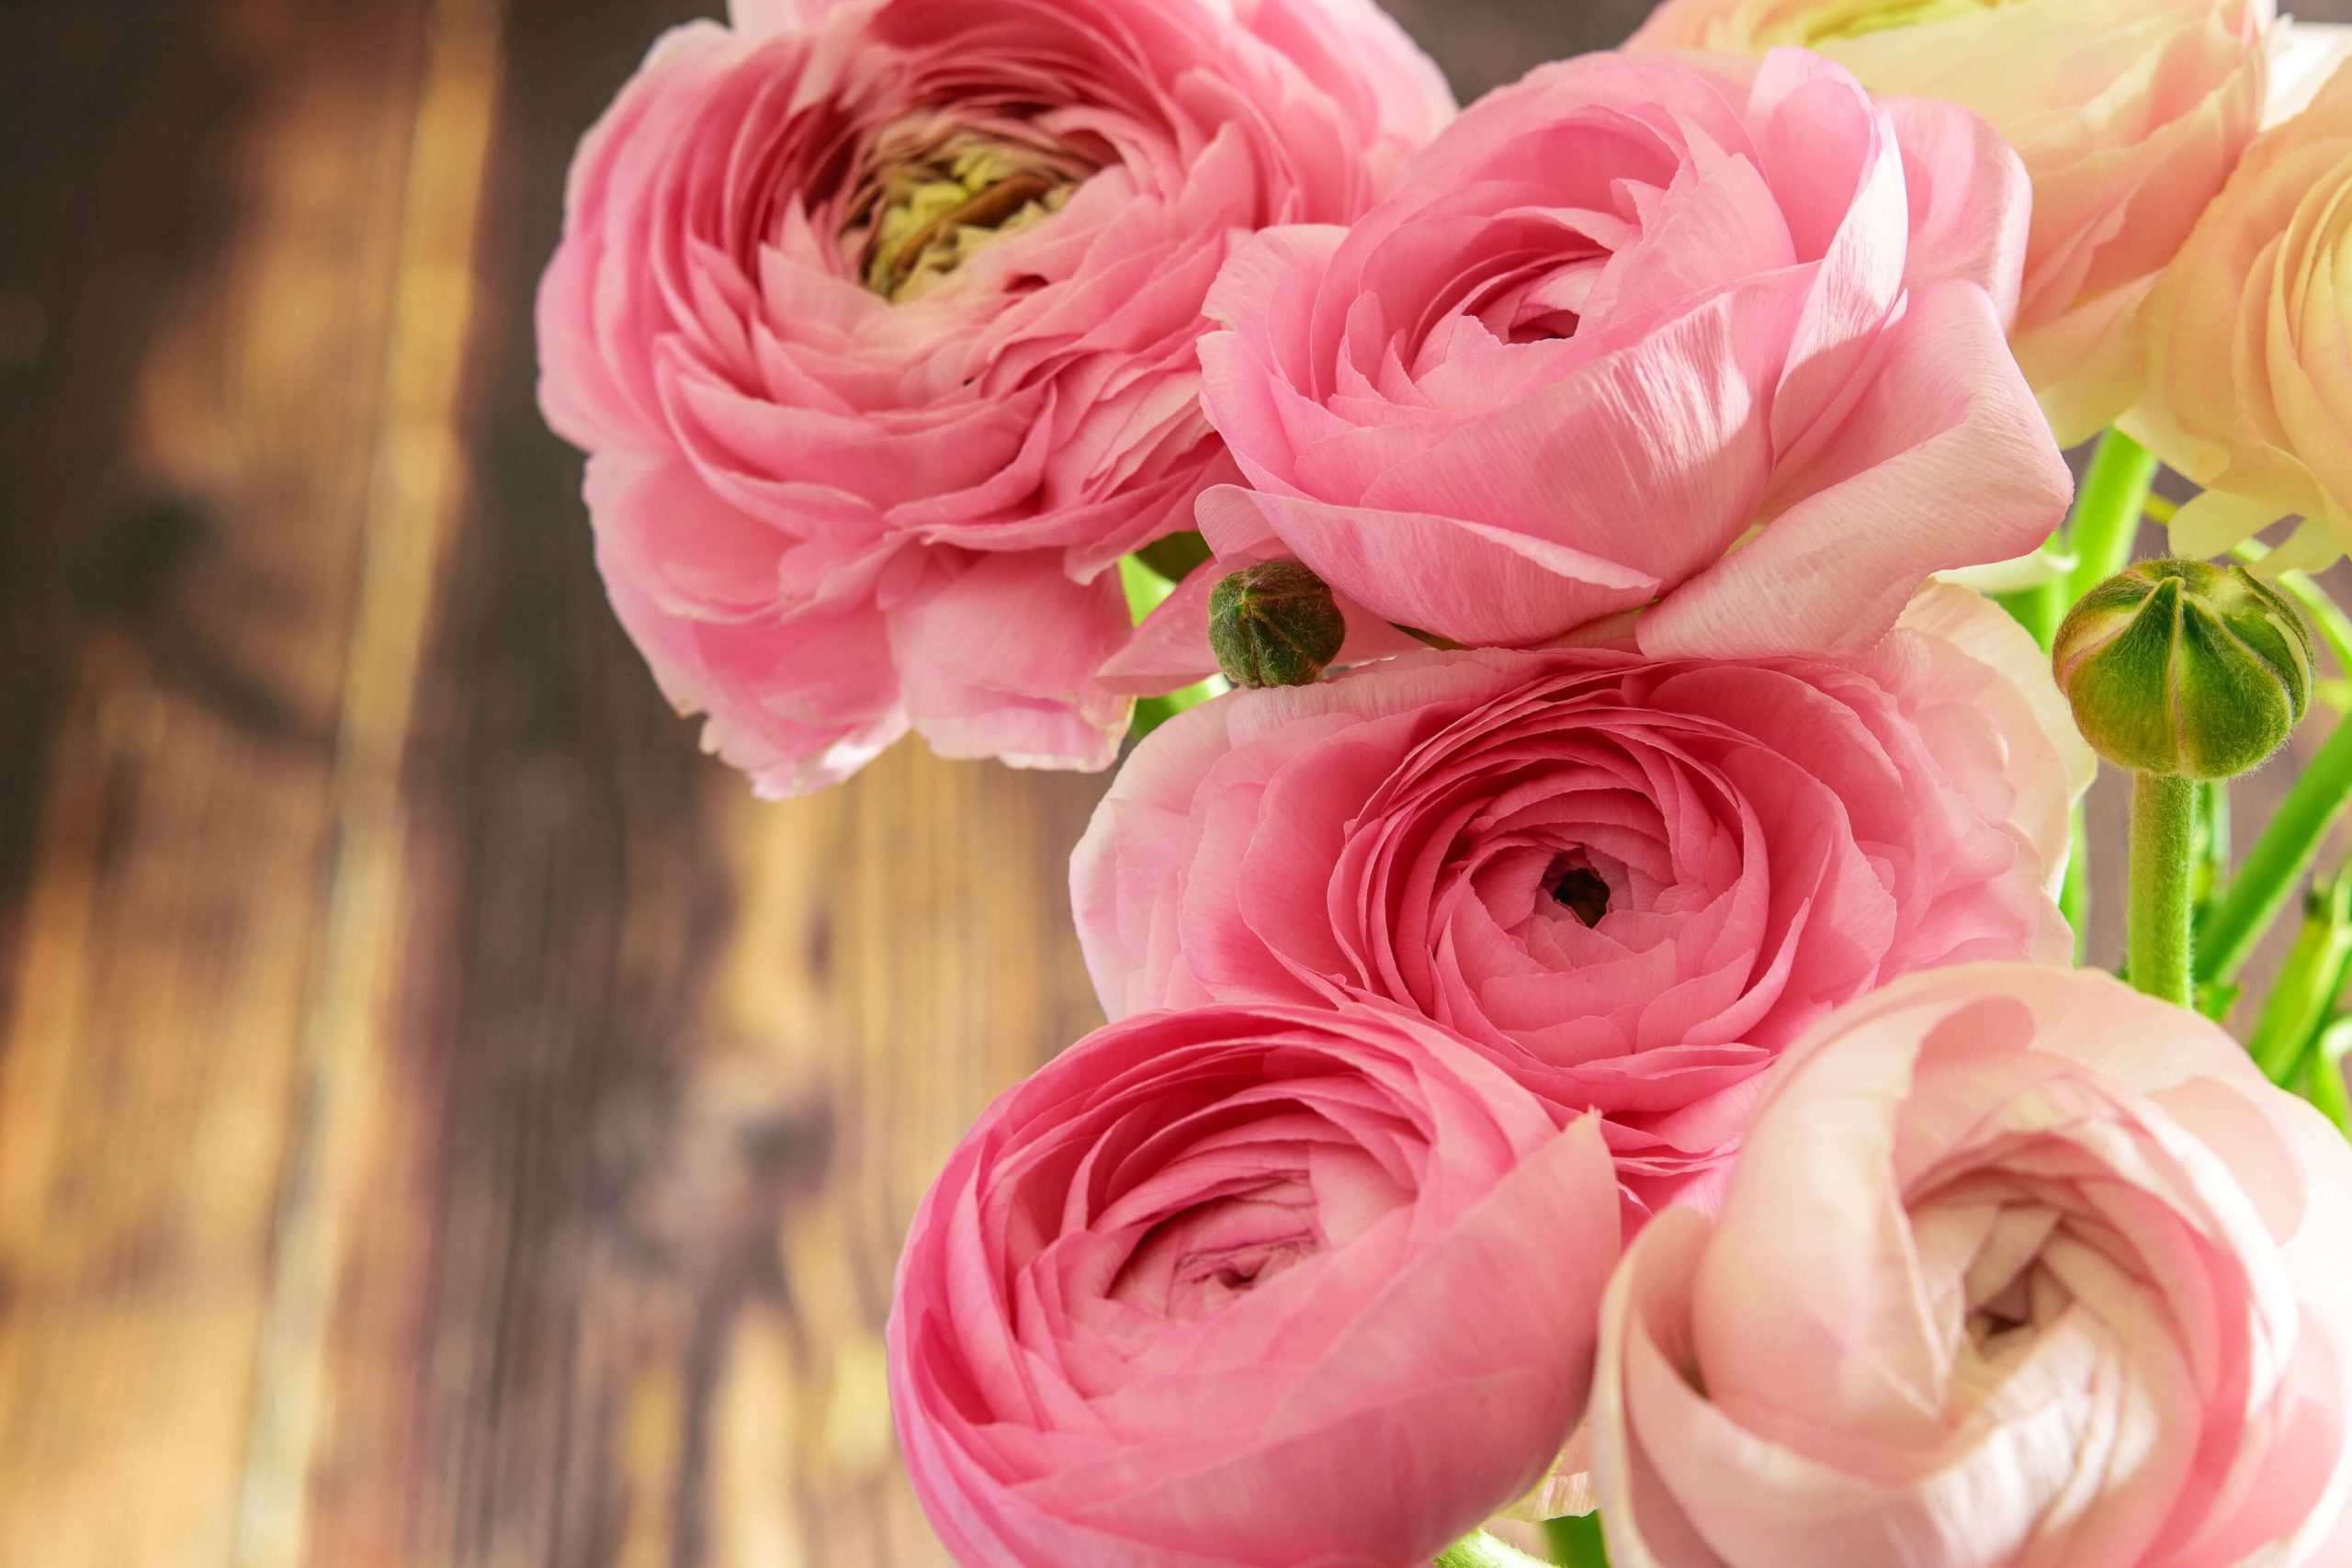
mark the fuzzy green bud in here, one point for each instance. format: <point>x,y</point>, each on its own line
<point>1274,625</point>
<point>2185,670</point>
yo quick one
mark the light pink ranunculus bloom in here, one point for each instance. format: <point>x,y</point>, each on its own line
<point>880,321</point>
<point>1249,1289</point>
<point>1717,342</point>
<point>2019,1268</point>
<point>2250,345</point>
<point>2130,115</point>
<point>1631,881</point>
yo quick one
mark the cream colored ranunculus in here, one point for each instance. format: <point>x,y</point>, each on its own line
<point>2249,342</point>
<point>2130,115</point>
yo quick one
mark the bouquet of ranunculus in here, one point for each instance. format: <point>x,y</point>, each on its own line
<point>1590,915</point>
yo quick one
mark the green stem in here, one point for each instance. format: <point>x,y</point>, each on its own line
<point>2227,935</point>
<point>2164,835</point>
<point>2105,526</point>
<point>1175,557</point>
<point>2107,513</point>
<point>1576,1542</point>
<point>1479,1550</point>
<point>2038,609</point>
<point>2213,827</point>
<point>2328,1089</point>
<point>2305,992</point>
<point>1148,588</point>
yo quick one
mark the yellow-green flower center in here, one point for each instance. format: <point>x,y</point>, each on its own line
<point>1856,19</point>
<point>932,214</point>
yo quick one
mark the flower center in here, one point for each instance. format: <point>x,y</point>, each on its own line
<point>1581,890</point>
<point>1857,19</point>
<point>1199,1261</point>
<point>930,213</point>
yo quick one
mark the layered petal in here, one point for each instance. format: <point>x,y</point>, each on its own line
<point>1627,332</point>
<point>888,286</point>
<point>1631,881</point>
<point>2250,349</point>
<point>1249,1287</point>
<point>2013,1271</point>
<point>2129,116</point>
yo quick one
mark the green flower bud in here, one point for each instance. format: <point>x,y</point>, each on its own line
<point>2185,670</point>
<point>1274,625</point>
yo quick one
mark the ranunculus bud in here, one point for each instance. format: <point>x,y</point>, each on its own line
<point>1274,625</point>
<point>2185,670</point>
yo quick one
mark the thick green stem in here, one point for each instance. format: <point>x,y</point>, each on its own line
<point>1576,1542</point>
<point>2164,843</point>
<point>2235,924</point>
<point>2107,513</point>
<point>1479,1550</point>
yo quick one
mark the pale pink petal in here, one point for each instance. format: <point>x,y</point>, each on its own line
<point>1945,461</point>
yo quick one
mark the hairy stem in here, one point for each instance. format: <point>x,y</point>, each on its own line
<point>2162,909</point>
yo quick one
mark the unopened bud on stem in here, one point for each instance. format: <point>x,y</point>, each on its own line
<point>2180,669</point>
<point>1274,625</point>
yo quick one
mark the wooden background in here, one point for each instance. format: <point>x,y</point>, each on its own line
<point>444,1120</point>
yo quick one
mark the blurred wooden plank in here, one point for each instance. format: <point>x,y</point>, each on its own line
<point>666,1070</point>
<point>443,1121</point>
<point>417,493</point>
<point>202,440</point>
<point>669,1068</point>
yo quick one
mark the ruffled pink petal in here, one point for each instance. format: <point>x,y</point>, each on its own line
<point>1000,661</point>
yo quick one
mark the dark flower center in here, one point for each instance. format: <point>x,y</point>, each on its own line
<point>1581,890</point>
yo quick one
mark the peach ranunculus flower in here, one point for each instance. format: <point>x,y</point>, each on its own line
<point>2250,344</point>
<point>2130,115</point>
<point>2018,1269</point>
<point>881,320</point>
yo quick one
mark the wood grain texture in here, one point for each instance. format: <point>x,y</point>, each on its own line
<point>444,1120</point>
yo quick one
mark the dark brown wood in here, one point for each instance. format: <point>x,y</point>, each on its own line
<point>444,1120</point>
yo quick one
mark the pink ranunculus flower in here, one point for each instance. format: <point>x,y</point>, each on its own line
<point>1249,1289</point>
<point>879,319</point>
<point>1631,882</point>
<point>1715,341</point>
<point>2129,114</point>
<point>2250,345</point>
<point>2019,1270</point>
